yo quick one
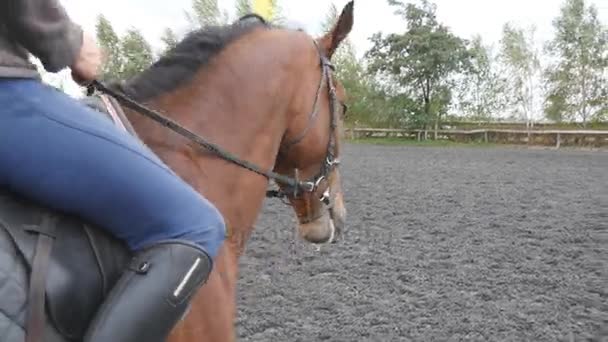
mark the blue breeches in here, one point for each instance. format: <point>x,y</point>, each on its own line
<point>62,154</point>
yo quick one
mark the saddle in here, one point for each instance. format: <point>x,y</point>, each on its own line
<point>72,264</point>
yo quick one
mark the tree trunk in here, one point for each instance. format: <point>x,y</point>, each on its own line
<point>584,97</point>
<point>427,111</point>
<point>436,125</point>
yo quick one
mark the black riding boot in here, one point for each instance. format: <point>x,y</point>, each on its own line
<point>152,294</point>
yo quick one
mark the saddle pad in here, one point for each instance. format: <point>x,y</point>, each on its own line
<point>84,263</point>
<point>13,293</point>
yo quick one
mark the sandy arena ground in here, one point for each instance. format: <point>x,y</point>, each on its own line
<point>443,244</point>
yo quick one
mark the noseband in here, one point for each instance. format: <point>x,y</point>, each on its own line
<point>292,186</point>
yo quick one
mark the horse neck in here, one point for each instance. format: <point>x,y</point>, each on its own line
<point>242,111</point>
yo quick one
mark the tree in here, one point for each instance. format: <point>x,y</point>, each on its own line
<point>169,39</point>
<point>523,68</point>
<point>271,10</point>
<point>126,56</point>
<point>423,60</point>
<point>577,82</point>
<point>481,88</point>
<point>137,53</point>
<point>243,7</point>
<point>363,100</point>
<point>205,13</point>
<point>110,43</point>
<point>346,53</point>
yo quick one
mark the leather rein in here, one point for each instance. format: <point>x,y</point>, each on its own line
<point>292,186</point>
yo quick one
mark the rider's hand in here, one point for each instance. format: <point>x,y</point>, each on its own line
<point>88,63</point>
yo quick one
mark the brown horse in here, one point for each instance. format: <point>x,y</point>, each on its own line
<point>268,107</point>
<point>266,95</point>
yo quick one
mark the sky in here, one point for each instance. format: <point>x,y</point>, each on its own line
<point>464,17</point>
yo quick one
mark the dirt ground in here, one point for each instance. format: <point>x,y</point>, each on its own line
<point>443,244</point>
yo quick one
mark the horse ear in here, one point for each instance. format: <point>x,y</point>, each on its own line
<point>331,41</point>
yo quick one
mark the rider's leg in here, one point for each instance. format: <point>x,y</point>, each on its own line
<point>64,155</point>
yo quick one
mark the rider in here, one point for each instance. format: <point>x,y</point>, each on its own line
<point>58,152</point>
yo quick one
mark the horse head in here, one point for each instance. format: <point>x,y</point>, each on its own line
<point>310,148</point>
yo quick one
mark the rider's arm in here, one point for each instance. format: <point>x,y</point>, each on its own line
<point>45,30</point>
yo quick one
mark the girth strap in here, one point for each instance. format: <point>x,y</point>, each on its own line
<point>36,296</point>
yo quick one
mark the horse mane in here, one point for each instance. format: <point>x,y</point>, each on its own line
<point>180,63</point>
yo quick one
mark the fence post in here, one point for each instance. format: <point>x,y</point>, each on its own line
<point>558,139</point>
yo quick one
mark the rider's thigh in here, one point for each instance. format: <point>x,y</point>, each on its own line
<point>63,154</point>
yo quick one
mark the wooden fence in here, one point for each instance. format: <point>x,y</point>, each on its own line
<point>518,125</point>
<point>557,138</point>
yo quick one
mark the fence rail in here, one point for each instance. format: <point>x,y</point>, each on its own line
<point>522,125</point>
<point>557,138</point>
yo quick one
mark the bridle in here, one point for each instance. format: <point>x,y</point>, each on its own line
<point>292,187</point>
<point>330,162</point>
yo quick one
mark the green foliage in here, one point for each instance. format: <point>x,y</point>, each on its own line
<point>137,53</point>
<point>110,43</point>
<point>243,7</point>
<point>420,76</point>
<point>556,107</point>
<point>522,62</point>
<point>348,70</point>
<point>278,16</point>
<point>200,14</point>
<point>169,39</point>
<point>578,81</point>
<point>367,104</point>
<point>126,56</point>
<point>423,61</point>
<point>480,90</point>
<point>206,12</point>
<point>131,54</point>
<point>345,54</point>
